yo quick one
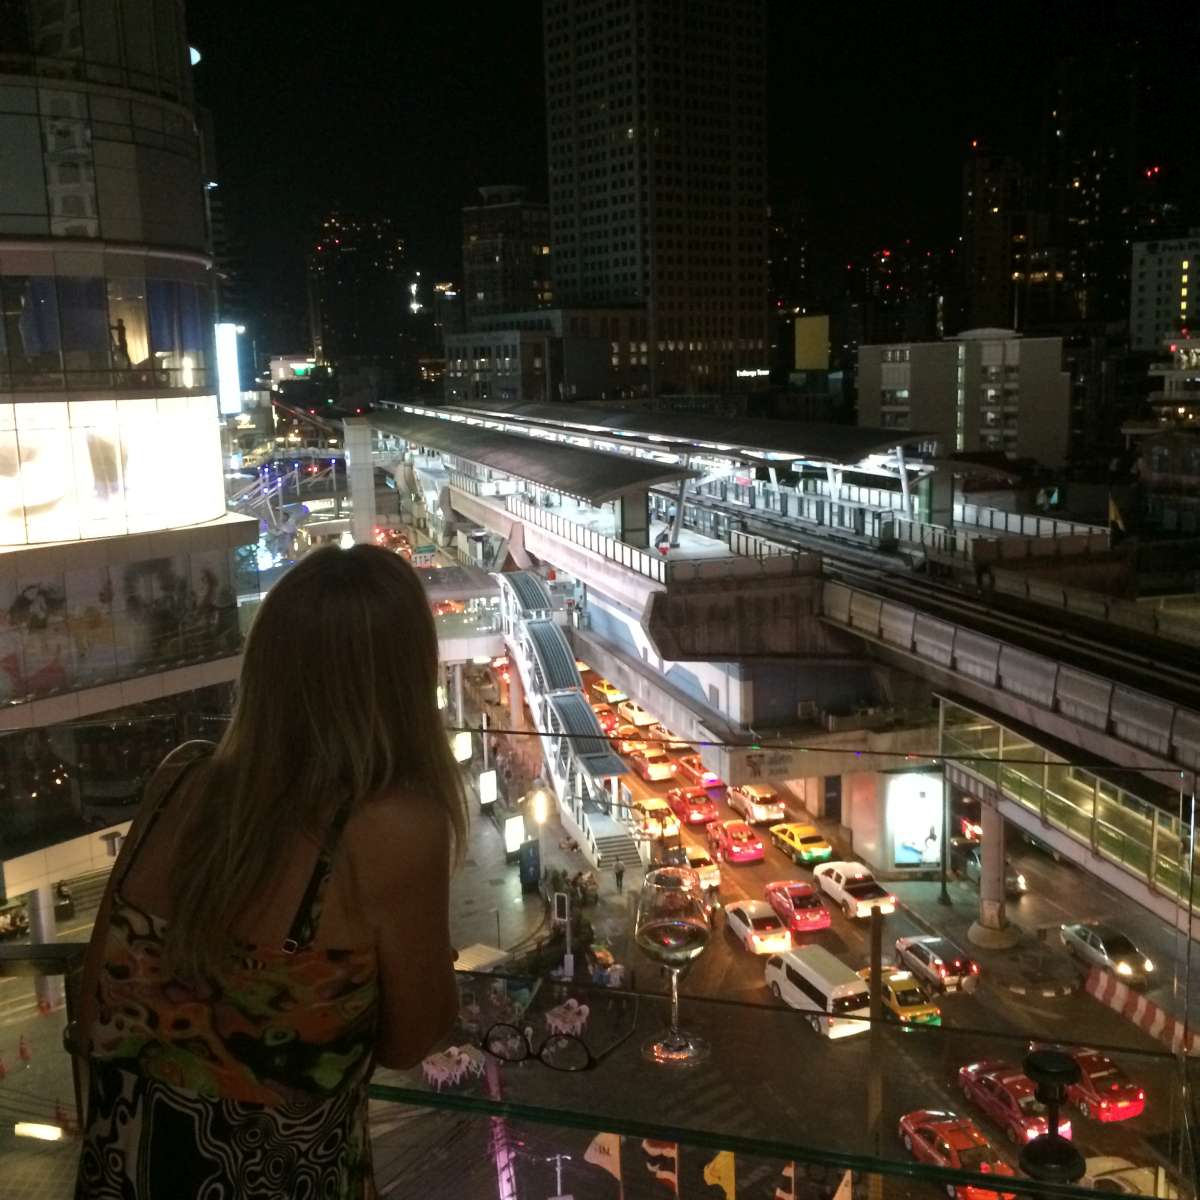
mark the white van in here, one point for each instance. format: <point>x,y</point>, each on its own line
<point>810,979</point>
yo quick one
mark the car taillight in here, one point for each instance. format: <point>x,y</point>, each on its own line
<point>758,845</point>
<point>941,971</point>
<point>974,968</point>
<point>1141,1094</point>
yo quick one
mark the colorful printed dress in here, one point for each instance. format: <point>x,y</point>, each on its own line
<point>251,1090</point>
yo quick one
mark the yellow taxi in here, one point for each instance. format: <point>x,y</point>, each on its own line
<point>607,692</point>
<point>803,844</point>
<point>903,998</point>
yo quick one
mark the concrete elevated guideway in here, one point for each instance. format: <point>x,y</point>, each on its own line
<point>1105,707</point>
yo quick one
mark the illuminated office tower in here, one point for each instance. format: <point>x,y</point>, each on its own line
<point>117,583</point>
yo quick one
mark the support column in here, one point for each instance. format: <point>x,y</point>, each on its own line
<point>677,524</point>
<point>904,481</point>
<point>360,476</point>
<point>43,929</point>
<point>633,518</point>
<point>456,679</point>
<point>516,698</point>
<point>992,929</point>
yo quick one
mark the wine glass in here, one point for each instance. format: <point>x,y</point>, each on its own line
<point>672,929</point>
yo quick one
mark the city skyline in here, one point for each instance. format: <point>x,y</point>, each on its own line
<point>870,118</point>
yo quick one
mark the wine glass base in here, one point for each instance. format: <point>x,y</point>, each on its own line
<point>675,1048</point>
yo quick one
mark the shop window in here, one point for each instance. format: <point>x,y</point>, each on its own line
<point>83,313</point>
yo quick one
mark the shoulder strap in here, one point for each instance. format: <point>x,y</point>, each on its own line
<point>151,817</point>
<point>308,914</point>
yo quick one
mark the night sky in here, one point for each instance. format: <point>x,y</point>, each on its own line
<point>406,108</point>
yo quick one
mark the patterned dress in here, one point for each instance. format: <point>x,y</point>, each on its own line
<point>250,1089</point>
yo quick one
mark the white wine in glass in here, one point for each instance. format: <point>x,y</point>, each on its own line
<point>672,929</point>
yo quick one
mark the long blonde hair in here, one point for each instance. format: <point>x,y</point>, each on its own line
<point>337,702</point>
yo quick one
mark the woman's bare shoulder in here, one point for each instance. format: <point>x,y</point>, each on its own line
<point>399,828</point>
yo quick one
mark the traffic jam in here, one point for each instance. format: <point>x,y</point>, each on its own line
<point>694,820</point>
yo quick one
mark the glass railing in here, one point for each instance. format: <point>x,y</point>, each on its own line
<point>1142,838</point>
<point>536,1068</point>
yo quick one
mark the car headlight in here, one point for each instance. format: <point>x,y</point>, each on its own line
<point>1123,968</point>
<point>1148,965</point>
<point>1021,884</point>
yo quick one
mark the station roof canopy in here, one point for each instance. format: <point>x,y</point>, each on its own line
<point>575,718</point>
<point>807,441</point>
<point>589,475</point>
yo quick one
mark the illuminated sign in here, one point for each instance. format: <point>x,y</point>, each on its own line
<point>752,372</point>
<point>79,469</point>
<point>514,833</point>
<point>460,746</point>
<point>488,791</point>
<point>229,383</point>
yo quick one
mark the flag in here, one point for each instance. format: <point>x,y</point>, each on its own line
<point>786,1188</point>
<point>662,1161</point>
<point>721,1173</point>
<point>1114,515</point>
<point>605,1153</point>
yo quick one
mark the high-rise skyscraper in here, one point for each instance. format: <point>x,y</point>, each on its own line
<point>358,291</point>
<point>657,156</point>
<point>506,253</point>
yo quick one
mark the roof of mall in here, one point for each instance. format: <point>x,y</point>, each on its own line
<point>810,441</point>
<point>590,475</point>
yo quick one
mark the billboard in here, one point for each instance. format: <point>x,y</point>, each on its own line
<point>78,469</point>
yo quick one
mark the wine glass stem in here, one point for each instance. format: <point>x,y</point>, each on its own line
<point>674,1001</point>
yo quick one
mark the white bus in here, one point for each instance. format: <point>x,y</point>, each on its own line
<point>813,980</point>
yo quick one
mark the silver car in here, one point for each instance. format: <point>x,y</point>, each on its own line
<point>1104,947</point>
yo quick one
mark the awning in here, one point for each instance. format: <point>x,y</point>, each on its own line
<point>575,718</point>
<point>554,656</point>
<point>529,588</point>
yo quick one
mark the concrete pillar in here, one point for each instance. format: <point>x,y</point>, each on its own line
<point>633,518</point>
<point>677,523</point>
<point>43,928</point>
<point>360,477</point>
<point>904,481</point>
<point>456,679</point>
<point>992,930</point>
<point>941,499</point>
<point>516,698</point>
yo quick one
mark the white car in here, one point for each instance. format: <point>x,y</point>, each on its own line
<point>652,763</point>
<point>655,819</point>
<point>660,733</point>
<point>1106,1173</point>
<point>701,862</point>
<point>755,925</point>
<point>758,804</point>
<point>852,886</point>
<point>635,714</point>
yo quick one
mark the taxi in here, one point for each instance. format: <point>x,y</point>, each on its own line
<point>903,998</point>
<point>654,818</point>
<point>803,844</point>
<point>608,692</point>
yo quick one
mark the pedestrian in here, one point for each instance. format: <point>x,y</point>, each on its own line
<point>619,875</point>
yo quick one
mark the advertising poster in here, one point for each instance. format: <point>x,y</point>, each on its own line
<point>37,615</point>
<point>90,621</point>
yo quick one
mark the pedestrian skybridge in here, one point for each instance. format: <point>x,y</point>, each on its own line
<point>580,736</point>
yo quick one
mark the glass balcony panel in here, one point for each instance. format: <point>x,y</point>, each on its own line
<point>1070,799</point>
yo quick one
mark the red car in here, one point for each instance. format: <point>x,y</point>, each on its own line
<point>1104,1092</point>
<point>692,768</point>
<point>797,905</point>
<point>1007,1096</point>
<point>948,1140</point>
<point>607,716</point>
<point>734,841</point>
<point>693,805</point>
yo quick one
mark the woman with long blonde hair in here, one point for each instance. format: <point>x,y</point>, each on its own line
<point>278,919</point>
